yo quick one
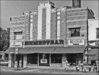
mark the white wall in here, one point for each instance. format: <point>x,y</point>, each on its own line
<point>39,33</point>
<point>48,20</point>
<point>92,24</point>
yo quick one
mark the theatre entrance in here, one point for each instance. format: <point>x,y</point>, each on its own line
<point>44,59</point>
<point>71,58</point>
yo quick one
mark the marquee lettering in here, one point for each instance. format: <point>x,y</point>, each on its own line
<point>45,42</point>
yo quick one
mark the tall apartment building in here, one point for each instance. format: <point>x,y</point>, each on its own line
<point>49,36</point>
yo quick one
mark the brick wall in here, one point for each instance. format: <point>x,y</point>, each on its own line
<point>77,18</point>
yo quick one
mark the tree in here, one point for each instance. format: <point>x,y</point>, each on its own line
<point>4,39</point>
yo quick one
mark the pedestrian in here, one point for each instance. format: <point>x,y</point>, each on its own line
<point>66,65</point>
<point>20,63</point>
<point>16,65</point>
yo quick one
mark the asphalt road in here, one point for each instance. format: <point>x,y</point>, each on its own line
<point>31,73</point>
<point>22,73</point>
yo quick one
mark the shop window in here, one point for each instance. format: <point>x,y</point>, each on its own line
<point>93,62</point>
<point>71,58</point>
<point>56,58</point>
<point>75,32</point>
<point>97,33</point>
<point>18,36</point>
<point>44,59</point>
<point>32,58</point>
<point>0,56</point>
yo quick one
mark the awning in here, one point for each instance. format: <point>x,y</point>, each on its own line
<point>93,51</point>
<point>28,50</point>
<point>93,57</point>
<point>93,54</point>
<point>71,49</point>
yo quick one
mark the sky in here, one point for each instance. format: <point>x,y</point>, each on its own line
<point>9,8</point>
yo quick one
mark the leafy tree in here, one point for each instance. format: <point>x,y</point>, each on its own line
<point>4,39</point>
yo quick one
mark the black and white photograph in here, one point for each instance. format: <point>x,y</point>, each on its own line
<point>49,37</point>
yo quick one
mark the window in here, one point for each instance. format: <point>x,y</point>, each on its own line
<point>75,32</point>
<point>97,33</point>
<point>56,58</point>
<point>18,36</point>
<point>32,58</point>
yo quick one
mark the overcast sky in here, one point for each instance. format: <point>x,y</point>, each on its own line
<point>17,7</point>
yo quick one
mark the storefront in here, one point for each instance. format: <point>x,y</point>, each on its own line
<point>46,56</point>
<point>93,55</point>
<point>43,59</point>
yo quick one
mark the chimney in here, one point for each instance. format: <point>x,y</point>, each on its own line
<point>76,3</point>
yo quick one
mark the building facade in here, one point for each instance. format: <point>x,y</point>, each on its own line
<point>93,40</point>
<point>49,36</point>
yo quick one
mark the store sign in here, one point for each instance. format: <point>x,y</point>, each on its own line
<point>94,43</point>
<point>18,23</point>
<point>16,44</point>
<point>76,42</point>
<point>43,61</point>
<point>45,42</point>
<point>18,18</point>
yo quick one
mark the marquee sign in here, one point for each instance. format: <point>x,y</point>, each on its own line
<point>45,42</point>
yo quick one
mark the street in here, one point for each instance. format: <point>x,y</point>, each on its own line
<point>43,73</point>
<point>36,71</point>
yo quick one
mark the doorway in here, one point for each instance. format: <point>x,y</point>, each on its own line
<point>44,59</point>
<point>71,58</point>
<point>19,59</point>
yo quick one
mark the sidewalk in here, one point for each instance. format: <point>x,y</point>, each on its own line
<point>5,68</point>
<point>48,71</point>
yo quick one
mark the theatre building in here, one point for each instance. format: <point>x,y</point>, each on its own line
<point>49,36</point>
